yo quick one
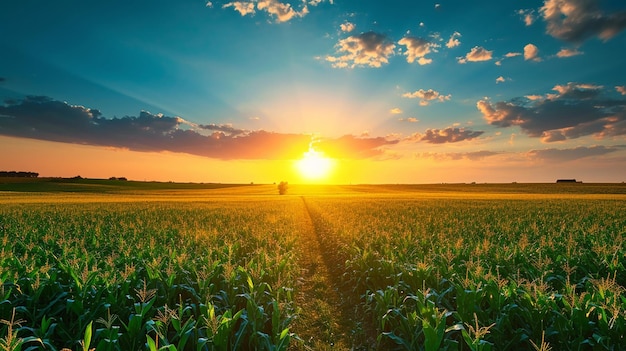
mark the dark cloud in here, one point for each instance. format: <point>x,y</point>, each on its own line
<point>2,79</point>
<point>575,110</point>
<point>577,20</point>
<point>564,155</point>
<point>447,135</point>
<point>43,118</point>
<point>225,128</point>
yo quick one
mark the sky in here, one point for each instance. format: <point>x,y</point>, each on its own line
<point>384,91</point>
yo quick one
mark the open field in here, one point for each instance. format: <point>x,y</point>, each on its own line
<point>147,266</point>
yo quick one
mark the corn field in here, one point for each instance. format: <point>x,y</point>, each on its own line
<point>422,271</point>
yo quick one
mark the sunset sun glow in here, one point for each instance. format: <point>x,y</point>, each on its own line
<point>314,166</point>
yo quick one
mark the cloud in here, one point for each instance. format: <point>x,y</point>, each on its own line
<point>564,155</point>
<point>426,96</point>
<point>396,111</point>
<point>531,52</point>
<point>43,118</point>
<point>501,79</point>
<point>454,40</point>
<point>447,135</point>
<point>507,56</point>
<point>349,146</point>
<point>369,49</point>
<point>347,27</point>
<point>417,49</point>
<point>283,12</point>
<point>574,111</point>
<point>476,54</point>
<point>455,156</point>
<point>578,20</point>
<point>621,89</point>
<point>2,79</point>
<point>528,16</point>
<point>409,119</point>
<point>534,97</point>
<point>224,128</point>
<point>243,7</point>
<point>568,52</point>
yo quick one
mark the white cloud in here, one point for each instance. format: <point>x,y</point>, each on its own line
<point>282,11</point>
<point>528,16</point>
<point>454,40</point>
<point>476,54</point>
<point>577,90</point>
<point>531,52</point>
<point>243,7</point>
<point>568,53</point>
<point>534,97</point>
<point>621,89</point>
<point>501,79</point>
<point>507,56</point>
<point>426,96</point>
<point>417,49</point>
<point>367,49</point>
<point>347,27</point>
<point>396,111</point>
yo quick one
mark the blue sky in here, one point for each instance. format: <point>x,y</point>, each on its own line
<point>469,84</point>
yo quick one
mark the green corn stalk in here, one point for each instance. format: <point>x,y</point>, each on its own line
<point>474,337</point>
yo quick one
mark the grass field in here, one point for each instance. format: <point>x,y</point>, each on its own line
<point>118,265</point>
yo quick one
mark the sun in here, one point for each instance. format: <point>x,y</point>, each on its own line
<point>314,166</point>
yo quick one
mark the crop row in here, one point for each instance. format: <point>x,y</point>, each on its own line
<point>486,274</point>
<point>453,274</point>
<point>154,276</point>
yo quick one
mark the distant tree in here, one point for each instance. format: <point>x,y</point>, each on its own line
<point>282,187</point>
<point>20,174</point>
<point>118,178</point>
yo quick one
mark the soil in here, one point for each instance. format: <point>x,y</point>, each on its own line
<point>330,315</point>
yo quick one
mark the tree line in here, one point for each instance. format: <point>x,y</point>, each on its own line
<point>19,174</point>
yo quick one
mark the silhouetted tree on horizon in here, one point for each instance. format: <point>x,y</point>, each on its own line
<point>19,174</point>
<point>282,187</point>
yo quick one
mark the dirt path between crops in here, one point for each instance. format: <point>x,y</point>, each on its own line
<point>330,316</point>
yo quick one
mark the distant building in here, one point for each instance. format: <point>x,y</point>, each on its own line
<point>567,181</point>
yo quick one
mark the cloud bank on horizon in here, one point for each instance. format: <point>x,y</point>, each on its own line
<point>40,117</point>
